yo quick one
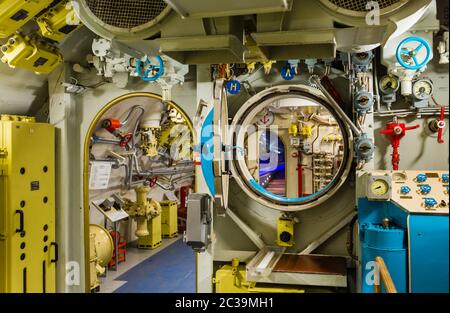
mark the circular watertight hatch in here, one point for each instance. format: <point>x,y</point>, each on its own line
<point>126,13</point>
<point>300,159</point>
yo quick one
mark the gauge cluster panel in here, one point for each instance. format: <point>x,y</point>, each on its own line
<point>423,192</point>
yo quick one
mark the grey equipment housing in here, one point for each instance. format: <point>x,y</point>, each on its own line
<point>198,226</point>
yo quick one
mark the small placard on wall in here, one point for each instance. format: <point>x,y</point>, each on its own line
<point>100,173</point>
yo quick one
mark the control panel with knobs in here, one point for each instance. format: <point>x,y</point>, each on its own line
<point>431,190</point>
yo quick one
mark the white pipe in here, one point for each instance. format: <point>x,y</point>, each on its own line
<point>327,235</point>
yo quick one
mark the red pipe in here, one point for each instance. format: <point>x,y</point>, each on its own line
<point>300,175</point>
<point>326,82</point>
<point>395,132</point>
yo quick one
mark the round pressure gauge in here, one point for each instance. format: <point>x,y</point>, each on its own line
<point>266,119</point>
<point>389,84</point>
<point>422,89</point>
<point>379,187</point>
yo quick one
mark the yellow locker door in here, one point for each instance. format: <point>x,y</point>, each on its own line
<point>31,251</point>
<point>3,202</point>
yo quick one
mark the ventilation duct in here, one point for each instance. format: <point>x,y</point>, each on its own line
<point>124,19</point>
<point>189,41</point>
<point>354,12</point>
<point>220,8</point>
<point>196,32</point>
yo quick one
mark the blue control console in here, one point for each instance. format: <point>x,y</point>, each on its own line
<point>410,231</point>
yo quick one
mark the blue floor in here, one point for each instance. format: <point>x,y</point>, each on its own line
<point>170,270</point>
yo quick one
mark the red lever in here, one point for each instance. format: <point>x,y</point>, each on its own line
<point>396,131</point>
<point>441,125</point>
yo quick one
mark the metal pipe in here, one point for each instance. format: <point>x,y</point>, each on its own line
<point>105,140</point>
<point>336,106</point>
<point>168,171</point>
<point>300,174</point>
<point>107,160</point>
<point>409,112</point>
<point>130,112</point>
<point>172,182</point>
<point>130,171</point>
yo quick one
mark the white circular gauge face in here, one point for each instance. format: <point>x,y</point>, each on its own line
<point>266,119</point>
<point>389,83</point>
<point>422,89</point>
<point>379,187</point>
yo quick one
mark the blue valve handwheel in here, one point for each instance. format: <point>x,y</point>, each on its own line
<point>149,68</point>
<point>401,50</point>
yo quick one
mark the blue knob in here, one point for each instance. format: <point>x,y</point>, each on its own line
<point>430,202</point>
<point>421,178</point>
<point>425,189</point>
<point>405,190</point>
<point>445,178</point>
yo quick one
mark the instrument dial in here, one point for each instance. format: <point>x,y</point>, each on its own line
<point>389,83</point>
<point>423,89</point>
<point>379,187</point>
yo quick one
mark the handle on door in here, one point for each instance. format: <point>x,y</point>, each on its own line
<point>56,252</point>
<point>21,228</point>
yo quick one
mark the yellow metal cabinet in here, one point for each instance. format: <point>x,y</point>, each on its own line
<point>21,51</point>
<point>59,21</point>
<point>232,279</point>
<point>169,219</point>
<point>154,239</point>
<point>28,251</point>
<point>16,13</point>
